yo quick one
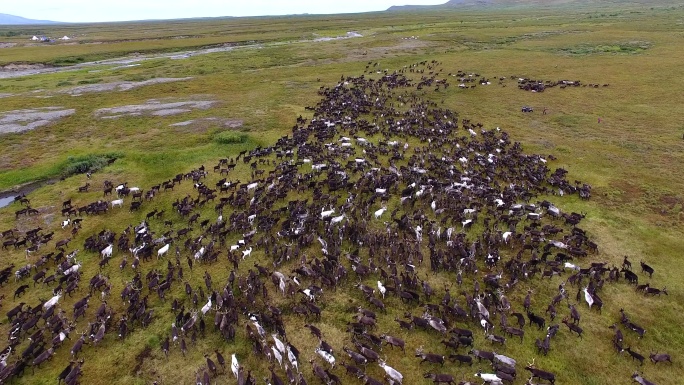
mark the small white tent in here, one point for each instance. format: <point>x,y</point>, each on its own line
<point>34,38</point>
<point>66,38</point>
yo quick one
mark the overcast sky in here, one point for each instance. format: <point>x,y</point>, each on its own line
<point>109,10</point>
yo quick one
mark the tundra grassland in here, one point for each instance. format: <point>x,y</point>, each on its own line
<point>633,160</point>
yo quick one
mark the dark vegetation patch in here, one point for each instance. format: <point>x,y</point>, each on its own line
<point>647,199</point>
<point>88,163</point>
<point>568,121</point>
<point>140,359</point>
<point>230,137</point>
<point>632,47</point>
<point>90,81</point>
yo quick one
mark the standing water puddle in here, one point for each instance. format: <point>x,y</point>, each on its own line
<point>5,201</point>
<point>7,197</point>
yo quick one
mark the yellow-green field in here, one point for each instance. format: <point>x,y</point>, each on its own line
<point>633,160</point>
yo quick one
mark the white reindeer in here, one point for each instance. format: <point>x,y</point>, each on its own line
<point>329,358</point>
<point>72,269</point>
<point>392,373</point>
<point>277,355</point>
<point>327,213</point>
<point>234,365</point>
<point>588,297</point>
<point>490,378</point>
<point>206,307</point>
<point>278,343</point>
<point>52,301</point>
<point>161,252</point>
<point>336,220</point>
<point>292,358</point>
<point>246,253</point>
<point>107,252</point>
<point>382,289</point>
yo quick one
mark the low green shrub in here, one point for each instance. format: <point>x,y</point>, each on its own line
<point>87,163</point>
<point>90,81</point>
<point>230,137</point>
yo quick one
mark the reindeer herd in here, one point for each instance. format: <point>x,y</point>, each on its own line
<point>429,223</point>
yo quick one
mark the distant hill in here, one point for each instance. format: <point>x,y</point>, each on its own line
<point>6,19</point>
<point>529,3</point>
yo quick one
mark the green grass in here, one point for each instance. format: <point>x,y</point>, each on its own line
<point>632,159</point>
<point>228,137</point>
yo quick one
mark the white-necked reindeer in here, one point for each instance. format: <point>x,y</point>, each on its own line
<point>489,378</point>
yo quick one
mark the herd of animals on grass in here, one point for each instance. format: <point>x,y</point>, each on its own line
<point>379,190</point>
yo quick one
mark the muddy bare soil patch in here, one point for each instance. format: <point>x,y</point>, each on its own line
<point>29,119</point>
<point>140,359</point>
<point>155,108</point>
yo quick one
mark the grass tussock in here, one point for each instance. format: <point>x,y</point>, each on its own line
<point>230,137</point>
<point>626,48</point>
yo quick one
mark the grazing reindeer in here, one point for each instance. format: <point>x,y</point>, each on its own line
<point>642,288</point>
<point>646,269</point>
<point>540,374</point>
<point>462,359</point>
<point>537,320</point>
<point>393,341</point>
<point>573,327</point>
<point>655,358</point>
<point>636,328</point>
<point>653,291</point>
<point>429,357</point>
<point>635,355</point>
<point>440,378</point>
<point>543,346</point>
<point>617,338</point>
<point>637,378</point>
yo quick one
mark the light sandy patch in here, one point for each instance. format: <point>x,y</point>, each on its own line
<point>154,107</point>
<point>181,124</point>
<point>170,111</point>
<point>206,124</point>
<point>233,123</point>
<point>117,86</point>
<point>29,119</point>
<point>229,123</point>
